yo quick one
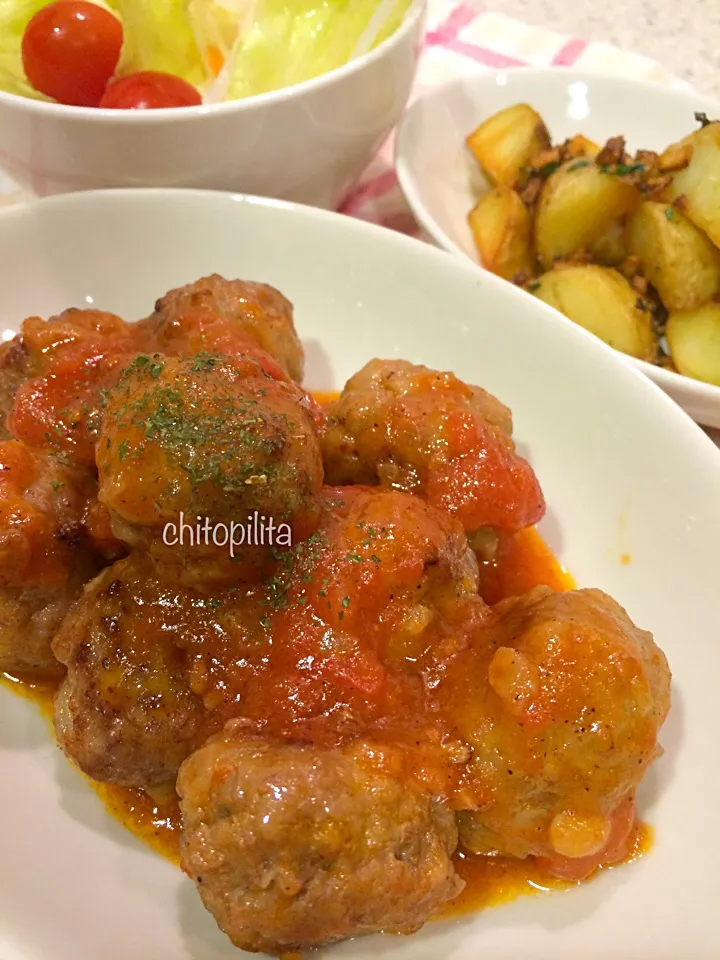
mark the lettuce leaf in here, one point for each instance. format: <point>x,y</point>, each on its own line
<point>285,42</point>
<point>158,36</point>
<point>14,17</point>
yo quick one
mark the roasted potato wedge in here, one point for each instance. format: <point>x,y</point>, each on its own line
<point>577,205</point>
<point>611,247</point>
<point>501,227</point>
<point>505,142</point>
<point>699,182</point>
<point>676,257</point>
<point>603,302</point>
<point>693,337</point>
<point>580,146</point>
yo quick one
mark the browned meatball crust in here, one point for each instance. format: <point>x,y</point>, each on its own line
<point>227,316</point>
<point>296,846</point>
<point>140,692</point>
<point>13,370</point>
<point>43,558</point>
<point>29,619</point>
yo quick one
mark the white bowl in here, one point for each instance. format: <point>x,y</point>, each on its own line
<point>624,472</point>
<point>307,143</point>
<point>441,180</point>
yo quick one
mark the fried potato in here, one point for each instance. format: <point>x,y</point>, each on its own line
<point>506,142</point>
<point>611,247</point>
<point>580,146</point>
<point>501,227</point>
<point>699,182</point>
<point>603,302</point>
<point>694,340</point>
<point>577,206</point>
<point>677,258</point>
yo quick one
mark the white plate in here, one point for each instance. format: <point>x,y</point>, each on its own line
<point>624,471</point>
<point>442,182</point>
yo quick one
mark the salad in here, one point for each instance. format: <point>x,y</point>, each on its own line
<point>143,54</point>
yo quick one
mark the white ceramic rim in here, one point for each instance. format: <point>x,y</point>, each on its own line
<point>168,114</point>
<point>667,379</point>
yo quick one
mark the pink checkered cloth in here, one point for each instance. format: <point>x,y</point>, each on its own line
<point>463,40</point>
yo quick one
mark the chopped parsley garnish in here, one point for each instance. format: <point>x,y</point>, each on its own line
<point>549,168</point>
<point>670,213</point>
<point>205,361</point>
<point>624,169</point>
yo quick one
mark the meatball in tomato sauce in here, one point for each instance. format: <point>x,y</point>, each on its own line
<point>13,371</point>
<point>561,701</point>
<point>406,427</point>
<point>43,556</point>
<point>152,670</point>
<point>231,317</point>
<point>209,438</point>
<point>364,614</point>
<point>293,846</point>
<point>69,362</point>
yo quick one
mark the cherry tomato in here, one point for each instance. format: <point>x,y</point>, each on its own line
<point>150,91</point>
<point>70,50</point>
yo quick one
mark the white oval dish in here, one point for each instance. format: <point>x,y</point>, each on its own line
<point>624,472</point>
<point>308,143</point>
<point>441,181</point>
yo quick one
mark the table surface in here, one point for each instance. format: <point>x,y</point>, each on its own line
<point>683,36</point>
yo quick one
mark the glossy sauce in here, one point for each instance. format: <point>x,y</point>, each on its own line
<point>523,561</point>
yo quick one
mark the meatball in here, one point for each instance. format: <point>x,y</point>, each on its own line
<point>561,701</point>
<point>147,672</point>
<point>296,846</point>
<point>364,614</point>
<point>71,360</point>
<point>43,562</point>
<point>207,440</point>
<point>76,333</point>
<point>29,619</point>
<point>13,370</point>
<point>231,317</point>
<point>410,428</point>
